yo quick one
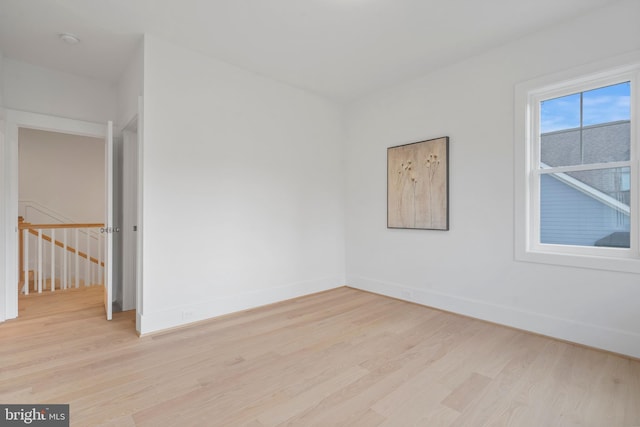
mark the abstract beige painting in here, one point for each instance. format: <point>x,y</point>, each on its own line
<point>418,185</point>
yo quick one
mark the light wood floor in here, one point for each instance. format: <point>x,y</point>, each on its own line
<point>339,358</point>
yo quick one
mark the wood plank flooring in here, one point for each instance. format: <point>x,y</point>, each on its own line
<point>338,358</point>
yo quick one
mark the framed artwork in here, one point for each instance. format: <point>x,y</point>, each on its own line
<point>418,185</point>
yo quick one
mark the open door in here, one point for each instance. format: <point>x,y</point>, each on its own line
<point>108,222</point>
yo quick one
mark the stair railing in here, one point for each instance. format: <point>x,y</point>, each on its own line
<point>77,243</point>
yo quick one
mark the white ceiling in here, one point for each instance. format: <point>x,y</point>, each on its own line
<point>341,49</point>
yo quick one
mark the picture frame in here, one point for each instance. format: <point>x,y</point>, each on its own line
<point>418,185</point>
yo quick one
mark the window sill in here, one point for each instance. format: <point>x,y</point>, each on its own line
<point>622,265</point>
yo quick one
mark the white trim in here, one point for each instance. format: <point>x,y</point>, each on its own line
<point>37,121</point>
<point>140,240</point>
<point>108,221</point>
<point>129,215</point>
<point>527,171</point>
<point>16,119</point>
<point>546,169</point>
<point>4,163</point>
<point>615,340</point>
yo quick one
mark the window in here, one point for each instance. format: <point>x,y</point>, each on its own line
<point>584,153</point>
<point>576,170</point>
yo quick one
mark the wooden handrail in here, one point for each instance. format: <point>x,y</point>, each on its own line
<point>31,227</point>
<point>69,248</point>
<point>25,225</point>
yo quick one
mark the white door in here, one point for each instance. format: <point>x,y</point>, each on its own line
<point>108,221</point>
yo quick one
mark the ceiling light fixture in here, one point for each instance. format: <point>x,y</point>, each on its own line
<point>69,38</point>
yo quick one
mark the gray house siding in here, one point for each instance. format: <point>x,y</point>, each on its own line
<point>571,217</point>
<point>606,142</point>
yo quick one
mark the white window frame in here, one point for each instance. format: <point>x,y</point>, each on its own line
<point>528,96</point>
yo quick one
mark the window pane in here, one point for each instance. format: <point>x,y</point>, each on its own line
<point>561,148</point>
<point>603,136</point>
<point>560,113</point>
<point>609,142</point>
<point>607,104</point>
<point>587,208</point>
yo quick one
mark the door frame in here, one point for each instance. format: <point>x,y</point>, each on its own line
<point>14,120</point>
<point>130,222</point>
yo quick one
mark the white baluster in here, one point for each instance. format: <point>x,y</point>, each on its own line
<point>40,261</point>
<point>103,277</point>
<point>64,259</point>
<point>77,277</point>
<point>25,239</point>
<point>53,259</point>
<point>87,273</point>
<point>103,243</point>
<point>99,268</point>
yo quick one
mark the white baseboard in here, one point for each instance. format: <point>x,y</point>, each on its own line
<point>183,315</point>
<point>614,340</point>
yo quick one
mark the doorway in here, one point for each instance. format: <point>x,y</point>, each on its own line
<point>16,120</point>
<point>61,181</point>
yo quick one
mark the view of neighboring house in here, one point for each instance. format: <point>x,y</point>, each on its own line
<point>587,208</point>
<point>585,175</point>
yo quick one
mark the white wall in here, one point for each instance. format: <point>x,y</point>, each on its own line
<point>64,173</point>
<point>42,90</point>
<point>1,86</point>
<point>243,189</point>
<point>129,88</point>
<point>3,227</point>
<point>471,269</point>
